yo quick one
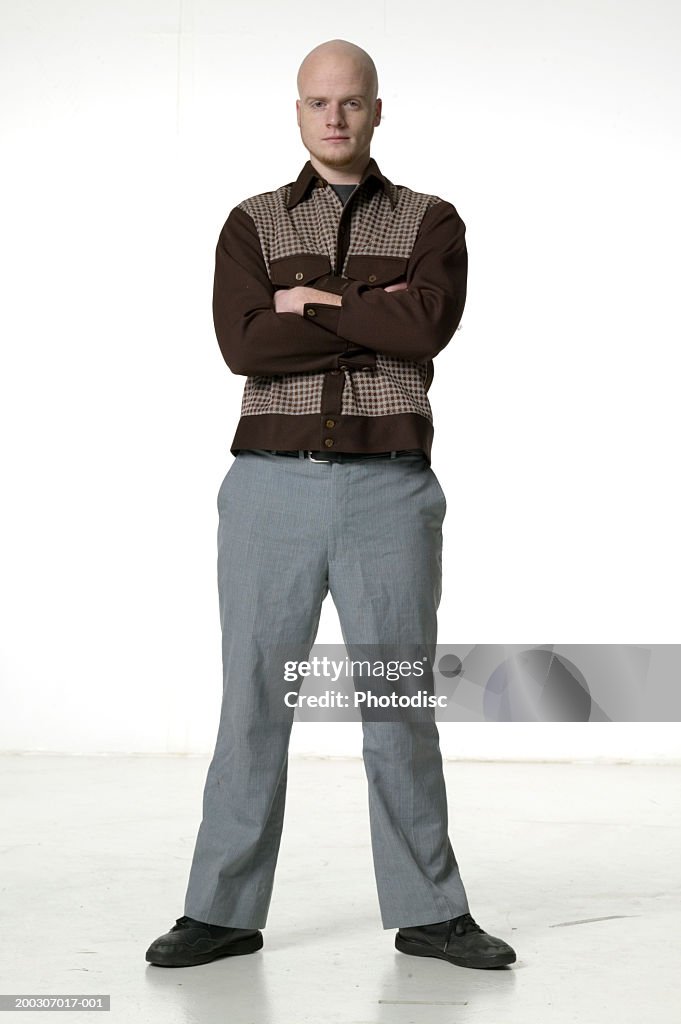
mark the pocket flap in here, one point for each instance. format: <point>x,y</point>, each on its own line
<point>301,269</point>
<point>378,270</point>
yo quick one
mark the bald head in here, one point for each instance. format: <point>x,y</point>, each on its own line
<point>338,109</point>
<point>336,54</point>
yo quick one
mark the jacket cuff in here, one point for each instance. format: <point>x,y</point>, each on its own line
<point>355,357</point>
<point>323,315</point>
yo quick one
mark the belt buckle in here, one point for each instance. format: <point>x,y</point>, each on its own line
<point>309,455</point>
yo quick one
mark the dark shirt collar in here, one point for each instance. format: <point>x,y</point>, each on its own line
<point>309,177</point>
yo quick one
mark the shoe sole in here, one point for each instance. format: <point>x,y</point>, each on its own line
<point>249,945</point>
<point>414,948</point>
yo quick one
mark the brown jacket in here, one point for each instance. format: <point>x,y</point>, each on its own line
<point>352,377</point>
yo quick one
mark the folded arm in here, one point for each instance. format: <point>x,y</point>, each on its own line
<point>414,323</point>
<point>253,337</point>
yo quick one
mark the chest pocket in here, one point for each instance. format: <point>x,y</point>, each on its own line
<point>376,270</point>
<point>303,269</point>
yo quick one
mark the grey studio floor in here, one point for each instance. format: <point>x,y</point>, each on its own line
<point>577,865</point>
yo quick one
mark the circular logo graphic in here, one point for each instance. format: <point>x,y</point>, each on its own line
<point>537,686</point>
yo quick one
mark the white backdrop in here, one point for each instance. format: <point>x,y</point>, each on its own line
<point>128,132</point>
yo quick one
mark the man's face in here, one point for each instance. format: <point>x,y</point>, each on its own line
<point>336,104</point>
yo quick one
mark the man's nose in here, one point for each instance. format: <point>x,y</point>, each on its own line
<point>335,114</point>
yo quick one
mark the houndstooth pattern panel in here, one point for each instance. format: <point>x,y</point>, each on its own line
<point>394,386</point>
<point>292,393</point>
<point>312,226</point>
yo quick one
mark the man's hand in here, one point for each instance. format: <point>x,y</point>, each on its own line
<point>292,300</point>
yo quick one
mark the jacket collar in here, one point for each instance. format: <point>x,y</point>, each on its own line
<point>309,177</point>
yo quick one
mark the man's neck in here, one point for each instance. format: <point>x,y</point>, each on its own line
<point>340,176</point>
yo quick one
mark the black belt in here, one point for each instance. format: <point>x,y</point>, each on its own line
<point>348,456</point>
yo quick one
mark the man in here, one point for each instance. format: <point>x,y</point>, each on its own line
<point>332,295</point>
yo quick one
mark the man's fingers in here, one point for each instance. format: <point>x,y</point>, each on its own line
<point>399,287</point>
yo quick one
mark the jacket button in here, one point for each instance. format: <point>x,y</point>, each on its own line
<point>330,423</point>
<point>299,275</point>
<point>372,278</point>
<point>328,441</point>
<point>312,312</point>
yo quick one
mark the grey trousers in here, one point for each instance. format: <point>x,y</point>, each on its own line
<point>290,530</point>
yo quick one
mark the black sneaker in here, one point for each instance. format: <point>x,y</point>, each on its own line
<point>460,941</point>
<point>191,942</point>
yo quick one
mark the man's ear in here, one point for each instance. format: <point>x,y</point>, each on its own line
<point>298,112</point>
<point>379,110</point>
